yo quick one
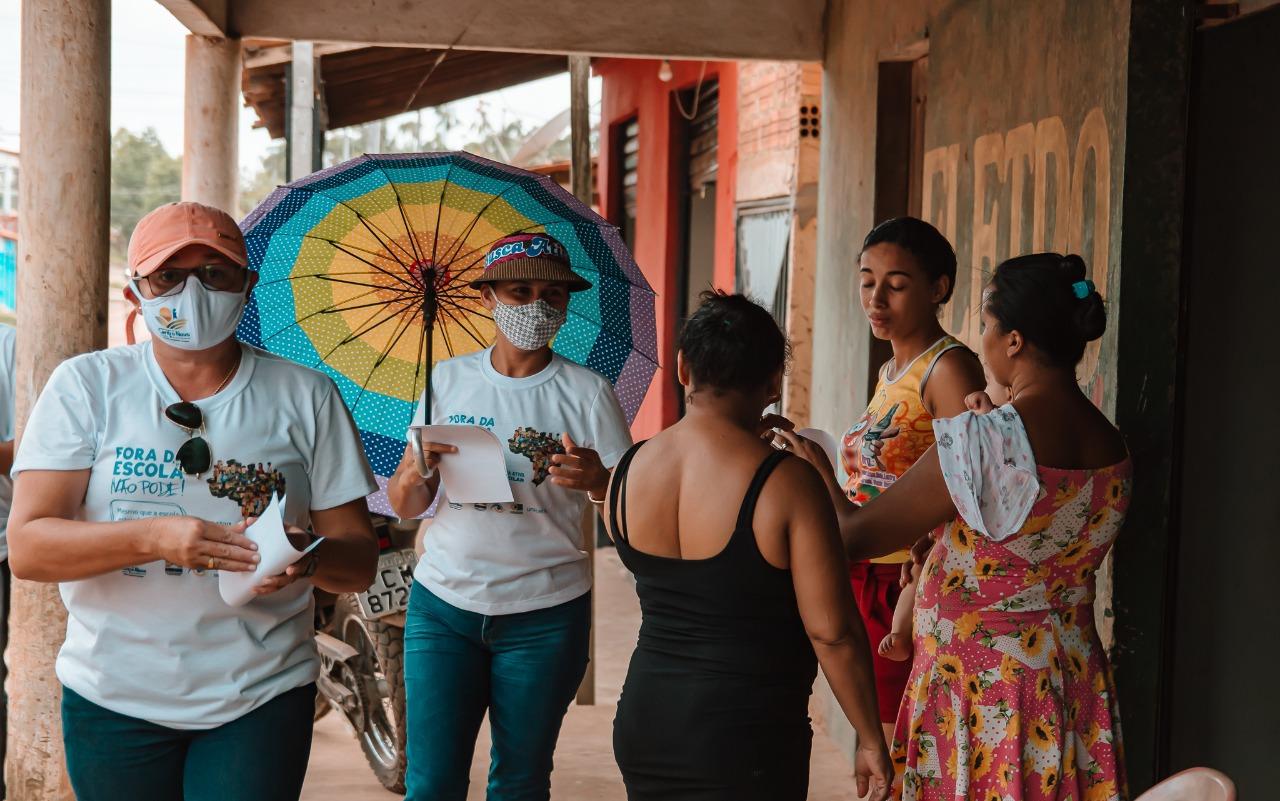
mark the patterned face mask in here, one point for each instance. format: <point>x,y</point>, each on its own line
<point>528,327</point>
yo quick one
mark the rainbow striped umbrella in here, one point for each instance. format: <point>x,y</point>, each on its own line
<point>365,270</point>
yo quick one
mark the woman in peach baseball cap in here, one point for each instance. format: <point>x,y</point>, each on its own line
<point>136,477</point>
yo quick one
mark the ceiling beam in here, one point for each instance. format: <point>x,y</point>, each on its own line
<point>283,53</point>
<point>706,29</point>
<point>202,17</point>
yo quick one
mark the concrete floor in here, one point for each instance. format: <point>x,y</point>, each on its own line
<point>585,770</point>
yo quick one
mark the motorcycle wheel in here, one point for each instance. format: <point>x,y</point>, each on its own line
<point>379,668</point>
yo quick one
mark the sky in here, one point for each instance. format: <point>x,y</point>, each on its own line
<point>147,57</point>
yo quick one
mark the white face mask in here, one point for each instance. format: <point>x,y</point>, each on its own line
<point>528,327</point>
<point>196,318</point>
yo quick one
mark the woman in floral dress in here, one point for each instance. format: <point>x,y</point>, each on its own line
<point>1010,696</point>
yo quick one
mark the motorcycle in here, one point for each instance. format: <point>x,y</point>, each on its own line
<point>360,637</point>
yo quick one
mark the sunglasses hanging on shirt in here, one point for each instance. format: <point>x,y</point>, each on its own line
<point>194,456</point>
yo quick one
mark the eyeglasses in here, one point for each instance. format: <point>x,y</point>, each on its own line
<point>169,281</point>
<point>194,456</point>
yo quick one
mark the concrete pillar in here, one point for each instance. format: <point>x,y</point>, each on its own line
<point>373,137</point>
<point>210,138</point>
<point>302,128</point>
<point>62,304</point>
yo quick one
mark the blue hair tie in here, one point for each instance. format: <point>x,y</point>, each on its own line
<point>1082,288</point>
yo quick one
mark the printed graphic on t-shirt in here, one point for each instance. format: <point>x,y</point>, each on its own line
<point>881,446</point>
<point>864,452</point>
<point>250,485</point>
<point>147,472</point>
<point>874,437</point>
<point>537,447</point>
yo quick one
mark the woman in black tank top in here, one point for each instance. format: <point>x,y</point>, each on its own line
<point>715,704</point>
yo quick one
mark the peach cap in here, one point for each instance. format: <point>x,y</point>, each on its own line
<point>174,226</point>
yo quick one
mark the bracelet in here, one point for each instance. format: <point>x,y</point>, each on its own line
<point>313,564</point>
<point>593,500</point>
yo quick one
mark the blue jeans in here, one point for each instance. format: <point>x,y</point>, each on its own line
<point>523,668</point>
<point>260,756</point>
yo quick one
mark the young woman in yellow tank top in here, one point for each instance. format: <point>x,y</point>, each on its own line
<point>906,273</point>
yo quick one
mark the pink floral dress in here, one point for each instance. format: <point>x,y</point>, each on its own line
<point>1011,697</point>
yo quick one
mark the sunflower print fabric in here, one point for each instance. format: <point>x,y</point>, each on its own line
<point>1011,696</point>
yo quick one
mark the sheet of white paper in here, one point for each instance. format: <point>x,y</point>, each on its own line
<point>275,553</point>
<point>827,442</point>
<point>477,473</point>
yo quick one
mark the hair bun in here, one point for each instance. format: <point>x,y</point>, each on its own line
<point>1090,314</point>
<point>1090,317</point>
<point>1073,268</point>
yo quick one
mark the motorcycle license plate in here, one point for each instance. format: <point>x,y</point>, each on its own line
<point>389,593</point>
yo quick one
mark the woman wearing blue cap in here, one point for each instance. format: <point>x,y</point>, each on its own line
<point>499,619</point>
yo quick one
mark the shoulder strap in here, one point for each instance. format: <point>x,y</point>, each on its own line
<point>618,492</point>
<point>748,512</point>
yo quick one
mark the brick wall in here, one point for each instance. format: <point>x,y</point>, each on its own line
<point>768,93</point>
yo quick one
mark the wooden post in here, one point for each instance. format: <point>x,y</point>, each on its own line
<point>587,690</point>
<point>62,304</point>
<point>580,176</point>
<point>580,128</point>
<point>211,123</point>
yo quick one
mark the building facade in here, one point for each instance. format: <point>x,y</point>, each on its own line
<point>710,170</point>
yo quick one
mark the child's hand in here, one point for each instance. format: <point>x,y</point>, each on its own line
<point>979,402</point>
<point>919,553</point>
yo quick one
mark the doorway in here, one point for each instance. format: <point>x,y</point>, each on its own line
<point>697,111</point>
<point>900,104</point>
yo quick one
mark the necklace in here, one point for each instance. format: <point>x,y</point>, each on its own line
<point>227,377</point>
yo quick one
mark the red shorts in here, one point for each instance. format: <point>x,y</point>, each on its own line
<point>876,591</point>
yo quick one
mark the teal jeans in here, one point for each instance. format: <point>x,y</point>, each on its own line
<point>523,669</point>
<point>261,756</point>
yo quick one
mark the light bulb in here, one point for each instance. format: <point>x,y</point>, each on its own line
<point>664,71</point>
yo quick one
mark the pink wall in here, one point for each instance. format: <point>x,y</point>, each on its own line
<point>632,89</point>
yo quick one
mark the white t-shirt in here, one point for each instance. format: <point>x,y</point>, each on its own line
<point>156,641</point>
<point>8,336</point>
<point>505,558</point>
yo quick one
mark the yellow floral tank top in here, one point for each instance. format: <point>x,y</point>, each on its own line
<point>893,433</point>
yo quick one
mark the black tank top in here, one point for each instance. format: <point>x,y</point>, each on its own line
<point>732,614</point>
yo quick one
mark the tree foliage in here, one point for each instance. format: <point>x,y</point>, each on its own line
<point>255,187</point>
<point>143,176</point>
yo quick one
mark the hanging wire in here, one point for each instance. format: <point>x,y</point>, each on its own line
<point>697,95</point>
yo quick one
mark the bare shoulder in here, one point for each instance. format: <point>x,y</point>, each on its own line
<point>957,365</point>
<point>956,374</point>
<point>1072,433</point>
<point>795,488</point>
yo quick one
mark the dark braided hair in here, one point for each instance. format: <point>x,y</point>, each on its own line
<point>731,343</point>
<point>1047,298</point>
<point>930,248</point>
